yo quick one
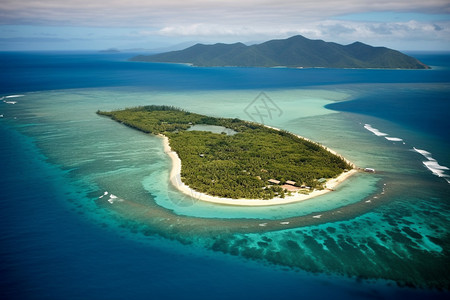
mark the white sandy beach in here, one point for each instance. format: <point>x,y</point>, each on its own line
<point>175,178</point>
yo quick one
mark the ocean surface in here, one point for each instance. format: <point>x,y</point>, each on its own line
<point>87,211</point>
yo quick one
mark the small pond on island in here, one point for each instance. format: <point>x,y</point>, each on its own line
<point>212,128</point>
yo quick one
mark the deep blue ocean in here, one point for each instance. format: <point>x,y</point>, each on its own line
<point>58,240</point>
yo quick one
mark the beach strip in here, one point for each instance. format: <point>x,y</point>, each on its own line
<point>175,179</point>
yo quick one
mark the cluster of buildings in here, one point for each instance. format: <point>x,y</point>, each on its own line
<point>289,185</point>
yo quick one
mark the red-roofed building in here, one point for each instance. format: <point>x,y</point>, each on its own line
<point>274,181</point>
<point>289,188</point>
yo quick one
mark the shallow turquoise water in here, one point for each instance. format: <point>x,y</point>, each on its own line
<point>110,157</point>
<point>126,172</point>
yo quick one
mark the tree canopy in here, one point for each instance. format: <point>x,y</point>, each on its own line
<point>239,165</point>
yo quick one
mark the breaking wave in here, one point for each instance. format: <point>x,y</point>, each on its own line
<point>393,139</point>
<point>374,130</point>
<point>430,163</point>
<point>433,165</point>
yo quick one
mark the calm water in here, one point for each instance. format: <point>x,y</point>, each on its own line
<point>87,211</point>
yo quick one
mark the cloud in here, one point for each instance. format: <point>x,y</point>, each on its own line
<point>32,40</point>
<point>232,20</point>
<point>161,13</point>
<point>329,29</point>
<point>219,30</point>
<point>382,33</point>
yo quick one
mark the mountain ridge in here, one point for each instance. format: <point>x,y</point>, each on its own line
<point>294,52</point>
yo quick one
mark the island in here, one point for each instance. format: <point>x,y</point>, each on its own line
<point>231,161</point>
<point>294,52</point>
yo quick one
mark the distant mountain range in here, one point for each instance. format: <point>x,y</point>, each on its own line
<point>294,52</point>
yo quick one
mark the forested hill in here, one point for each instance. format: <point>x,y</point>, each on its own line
<point>294,52</point>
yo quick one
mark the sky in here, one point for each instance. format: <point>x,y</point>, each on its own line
<point>414,25</point>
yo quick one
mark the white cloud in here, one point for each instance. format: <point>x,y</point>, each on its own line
<point>163,13</point>
<point>232,20</point>
<point>331,30</point>
<point>218,30</point>
<point>411,30</point>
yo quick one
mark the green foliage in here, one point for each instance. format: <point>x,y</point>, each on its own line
<point>296,51</point>
<point>234,166</point>
<point>155,119</point>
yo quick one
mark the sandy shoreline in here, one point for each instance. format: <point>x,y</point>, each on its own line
<point>175,179</point>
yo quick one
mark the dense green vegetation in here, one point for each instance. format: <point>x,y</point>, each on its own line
<point>294,52</point>
<point>239,165</point>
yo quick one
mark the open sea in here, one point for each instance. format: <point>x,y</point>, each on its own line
<point>87,211</point>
